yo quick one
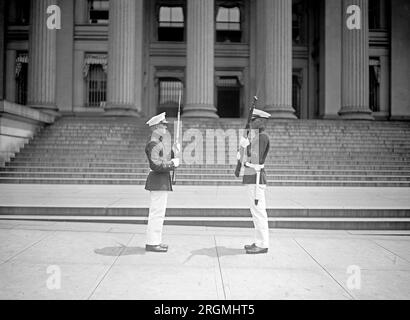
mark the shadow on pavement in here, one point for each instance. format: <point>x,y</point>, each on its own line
<point>124,251</point>
<point>213,252</point>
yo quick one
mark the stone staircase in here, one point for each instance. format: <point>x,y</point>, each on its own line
<point>77,150</point>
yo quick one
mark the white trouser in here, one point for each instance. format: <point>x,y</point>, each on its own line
<point>259,215</point>
<point>158,205</point>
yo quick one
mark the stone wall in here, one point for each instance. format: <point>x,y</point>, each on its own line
<point>18,124</point>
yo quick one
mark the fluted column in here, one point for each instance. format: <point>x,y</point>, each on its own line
<point>278,58</point>
<point>355,65</point>
<point>200,60</point>
<point>42,59</point>
<point>122,59</point>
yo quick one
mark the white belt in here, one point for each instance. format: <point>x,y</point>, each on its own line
<point>257,167</point>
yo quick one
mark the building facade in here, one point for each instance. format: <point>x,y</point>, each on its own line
<point>139,57</point>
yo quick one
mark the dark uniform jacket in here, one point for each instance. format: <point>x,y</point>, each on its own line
<point>257,152</point>
<point>159,178</point>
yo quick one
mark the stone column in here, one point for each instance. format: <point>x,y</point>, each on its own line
<point>200,60</point>
<point>65,61</point>
<point>278,59</point>
<point>2,47</point>
<point>42,59</point>
<point>122,37</point>
<point>330,93</point>
<point>355,64</point>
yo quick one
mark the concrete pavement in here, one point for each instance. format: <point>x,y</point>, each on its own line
<point>67,260</point>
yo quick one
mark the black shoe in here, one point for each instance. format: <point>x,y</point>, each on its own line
<point>256,250</point>
<point>155,248</point>
<point>249,246</point>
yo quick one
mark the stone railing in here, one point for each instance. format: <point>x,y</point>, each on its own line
<point>18,124</point>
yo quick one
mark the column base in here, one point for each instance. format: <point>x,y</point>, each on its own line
<point>121,111</point>
<point>280,112</point>
<point>199,111</point>
<point>351,113</point>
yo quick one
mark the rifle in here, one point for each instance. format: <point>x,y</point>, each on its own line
<point>242,151</point>
<point>177,136</point>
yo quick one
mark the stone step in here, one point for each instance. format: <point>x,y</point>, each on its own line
<point>279,144</point>
<point>203,171</point>
<point>205,177</point>
<point>282,147</point>
<point>295,136</point>
<point>315,183</point>
<point>221,217</point>
<point>276,154</point>
<point>274,135</point>
<point>143,163</point>
<point>201,212</point>
<point>286,223</point>
<point>211,167</point>
<point>139,158</point>
<point>277,129</point>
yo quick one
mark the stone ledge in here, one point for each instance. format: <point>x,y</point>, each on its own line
<point>24,112</point>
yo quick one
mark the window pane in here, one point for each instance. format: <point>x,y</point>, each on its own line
<point>234,15</point>
<point>164,14</point>
<point>177,14</point>
<point>98,11</point>
<point>222,14</point>
<point>228,19</point>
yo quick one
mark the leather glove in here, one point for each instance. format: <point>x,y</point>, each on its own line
<point>243,142</point>
<point>175,161</point>
<point>176,147</point>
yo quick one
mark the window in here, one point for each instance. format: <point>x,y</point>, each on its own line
<point>299,20</point>
<point>374,14</point>
<point>228,24</point>
<point>21,78</point>
<point>378,14</point>
<point>374,84</point>
<point>170,90</point>
<point>170,23</point>
<point>95,74</point>
<point>21,12</point>
<point>98,11</point>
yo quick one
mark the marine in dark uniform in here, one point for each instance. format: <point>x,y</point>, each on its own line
<point>257,148</point>
<point>161,163</point>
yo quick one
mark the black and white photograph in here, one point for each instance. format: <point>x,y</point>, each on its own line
<point>221,152</point>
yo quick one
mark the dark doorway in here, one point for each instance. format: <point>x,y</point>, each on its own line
<point>229,102</point>
<point>229,97</point>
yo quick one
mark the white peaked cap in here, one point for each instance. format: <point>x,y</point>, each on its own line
<point>160,118</point>
<point>260,114</point>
